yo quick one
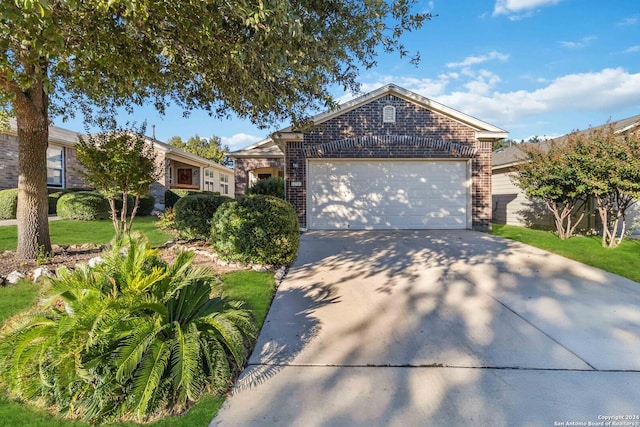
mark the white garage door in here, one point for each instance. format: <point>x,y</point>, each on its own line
<point>355,194</point>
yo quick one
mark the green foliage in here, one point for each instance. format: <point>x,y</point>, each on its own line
<point>273,186</point>
<point>609,165</point>
<point>193,214</point>
<point>121,164</point>
<point>209,148</point>
<point>83,205</point>
<point>8,203</point>
<point>53,198</point>
<point>167,220</point>
<point>131,338</point>
<point>172,196</point>
<point>146,205</point>
<point>257,229</point>
<point>547,174</point>
<point>58,57</point>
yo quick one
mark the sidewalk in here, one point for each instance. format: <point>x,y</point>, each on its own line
<point>15,222</point>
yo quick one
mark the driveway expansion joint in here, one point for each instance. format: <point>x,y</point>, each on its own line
<point>439,365</point>
<point>466,279</point>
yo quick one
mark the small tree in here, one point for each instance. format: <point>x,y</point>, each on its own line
<point>548,175</point>
<point>609,165</point>
<point>119,163</point>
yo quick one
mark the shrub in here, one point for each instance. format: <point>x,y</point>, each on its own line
<point>131,338</point>
<point>167,220</point>
<point>8,203</point>
<point>193,214</point>
<point>53,200</point>
<point>173,195</point>
<point>83,205</point>
<point>258,229</point>
<point>273,186</point>
<point>147,203</point>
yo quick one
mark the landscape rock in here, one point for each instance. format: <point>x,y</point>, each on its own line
<point>41,272</point>
<point>96,260</point>
<point>280,273</point>
<point>14,277</point>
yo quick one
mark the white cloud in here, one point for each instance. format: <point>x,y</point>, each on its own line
<point>583,42</point>
<point>239,140</point>
<point>517,9</point>
<point>606,91</point>
<point>628,22</point>
<point>473,60</point>
<point>633,49</point>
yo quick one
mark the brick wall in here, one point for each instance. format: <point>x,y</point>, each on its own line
<point>72,177</point>
<point>8,161</point>
<point>242,166</point>
<point>411,121</point>
<point>9,164</point>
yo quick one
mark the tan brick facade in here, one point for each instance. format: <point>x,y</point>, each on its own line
<point>9,164</point>
<point>242,167</point>
<point>417,133</point>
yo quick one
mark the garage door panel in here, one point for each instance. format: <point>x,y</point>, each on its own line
<point>387,194</point>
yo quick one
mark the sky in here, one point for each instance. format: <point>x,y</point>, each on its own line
<point>531,67</point>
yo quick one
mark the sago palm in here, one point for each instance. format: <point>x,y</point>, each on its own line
<point>132,338</point>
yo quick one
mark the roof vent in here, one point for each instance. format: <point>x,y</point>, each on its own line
<point>389,114</point>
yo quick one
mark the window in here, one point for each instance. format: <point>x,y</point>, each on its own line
<point>55,167</point>
<point>389,114</point>
<point>224,184</point>
<point>209,183</point>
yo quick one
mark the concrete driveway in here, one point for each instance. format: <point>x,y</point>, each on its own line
<point>441,328</point>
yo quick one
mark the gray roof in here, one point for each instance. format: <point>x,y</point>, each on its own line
<point>56,134</point>
<point>265,148</point>
<point>513,154</point>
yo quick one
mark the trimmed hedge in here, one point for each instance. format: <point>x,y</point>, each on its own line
<point>256,229</point>
<point>8,203</point>
<point>172,196</point>
<point>273,186</point>
<point>83,205</point>
<point>193,214</point>
<point>147,203</point>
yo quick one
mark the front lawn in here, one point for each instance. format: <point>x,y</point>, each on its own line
<point>72,232</point>
<point>623,260</point>
<point>256,288</point>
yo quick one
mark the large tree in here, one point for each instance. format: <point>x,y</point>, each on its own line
<point>209,148</point>
<point>264,60</point>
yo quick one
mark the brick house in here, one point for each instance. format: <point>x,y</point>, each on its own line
<point>262,160</point>
<point>390,159</point>
<point>178,169</point>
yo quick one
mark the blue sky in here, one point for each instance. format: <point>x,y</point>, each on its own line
<point>531,67</point>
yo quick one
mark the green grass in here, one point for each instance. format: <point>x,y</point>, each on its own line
<point>71,232</point>
<point>623,260</point>
<point>255,288</point>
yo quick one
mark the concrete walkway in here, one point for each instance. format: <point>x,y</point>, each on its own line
<point>441,328</point>
<point>15,222</point>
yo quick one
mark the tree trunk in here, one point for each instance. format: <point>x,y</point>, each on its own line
<point>31,110</point>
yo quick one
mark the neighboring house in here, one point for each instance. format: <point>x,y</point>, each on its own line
<point>262,160</point>
<point>512,206</point>
<point>390,159</point>
<point>178,169</point>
